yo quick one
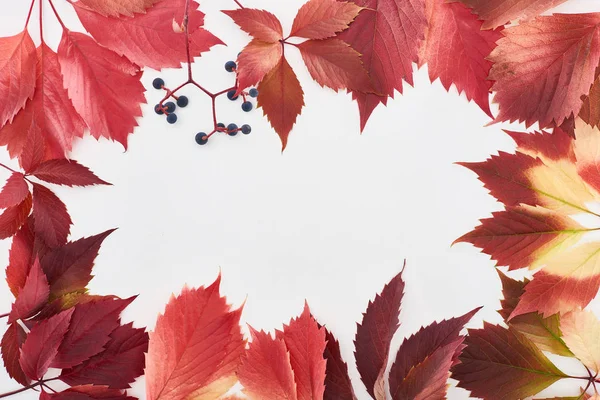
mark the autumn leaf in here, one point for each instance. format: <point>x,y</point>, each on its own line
<point>256,60</point>
<point>51,219</point>
<point>338,385</point>
<point>581,332</point>
<point>20,257</point>
<point>14,217</point>
<point>260,24</point>
<point>118,8</point>
<point>590,111</point>
<point>542,68</point>
<point>11,344</point>
<point>88,392</point>
<point>66,172</point>
<point>197,336</point>
<point>32,296</point>
<point>15,190</point>
<point>322,19</point>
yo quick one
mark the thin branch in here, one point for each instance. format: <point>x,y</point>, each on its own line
<point>238,3</point>
<point>23,389</point>
<point>4,315</point>
<point>8,168</point>
<point>56,14</point>
<point>186,22</point>
<point>29,14</point>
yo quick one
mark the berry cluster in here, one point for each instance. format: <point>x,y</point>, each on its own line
<point>169,107</point>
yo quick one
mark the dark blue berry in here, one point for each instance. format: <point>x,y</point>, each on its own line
<point>231,95</point>
<point>172,118</point>
<point>158,83</point>
<point>230,66</point>
<point>246,129</point>
<point>182,101</point>
<point>158,109</point>
<point>170,106</point>
<point>220,125</point>
<point>253,92</point>
<point>246,106</point>
<point>201,138</point>
<point>232,129</point>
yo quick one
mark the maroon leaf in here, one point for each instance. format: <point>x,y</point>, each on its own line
<point>337,382</point>
<point>66,172</point>
<point>11,344</point>
<point>51,219</point>
<point>19,259</point>
<point>14,217</point>
<point>14,191</point>
<point>33,295</point>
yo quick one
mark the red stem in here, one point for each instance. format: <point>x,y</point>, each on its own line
<point>4,315</point>
<point>8,168</point>
<point>29,14</point>
<point>41,21</point>
<point>238,3</point>
<point>57,16</point>
<point>23,389</point>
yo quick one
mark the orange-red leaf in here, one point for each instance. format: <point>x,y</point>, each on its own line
<point>262,25</point>
<point>256,60</point>
<point>195,348</point>
<point>322,19</point>
<point>51,219</point>
<point>14,191</point>
<point>14,217</point>
<point>32,297</point>
<point>118,8</point>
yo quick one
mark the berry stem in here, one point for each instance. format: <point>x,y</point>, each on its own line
<point>57,16</point>
<point>186,20</point>
<point>29,14</point>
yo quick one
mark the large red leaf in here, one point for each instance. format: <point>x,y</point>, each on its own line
<point>14,217</point>
<point>51,219</point>
<point>334,64</point>
<point>195,348</point>
<point>262,25</point>
<point>455,50</point>
<point>66,172</point>
<point>322,19</point>
<point>542,68</point>
<point>338,385</point>
<point>11,344</point>
<point>118,8</point>
<point>42,343</point>
<point>387,34</point>
<point>33,295</point>
<point>88,392</point>
<point>17,74</point>
<point>117,366</point>
<point>256,60</point>
<point>499,12</point>
<point>374,335</point>
<point>90,329</point>
<point>281,98</point>
<point>14,191</point>
<point>590,111</point>
<point>305,342</point>
<point>149,39</point>
<point>266,372</point>
<point>105,88</point>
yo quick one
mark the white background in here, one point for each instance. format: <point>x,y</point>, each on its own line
<point>330,220</point>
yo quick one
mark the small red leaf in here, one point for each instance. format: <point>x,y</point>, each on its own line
<point>338,385</point>
<point>590,112</point>
<point>42,343</point>
<point>19,259</point>
<point>256,60</point>
<point>66,172</point>
<point>262,25</point>
<point>14,217</point>
<point>322,19</point>
<point>11,344</point>
<point>51,219</point>
<point>33,295</point>
<point>117,8</point>
<point>14,191</point>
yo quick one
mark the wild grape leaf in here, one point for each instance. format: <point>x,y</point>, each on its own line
<point>66,172</point>
<point>499,12</point>
<point>14,217</point>
<point>581,332</point>
<point>105,88</point>
<point>149,39</point>
<point>338,385</point>
<point>260,24</point>
<point>68,301</point>
<point>117,8</point>
<point>117,366</point>
<point>455,50</point>
<point>590,111</point>
<point>49,123</point>
<point>11,344</point>
<point>88,392</point>
<point>334,64</point>
<point>266,371</point>
<point>256,60</point>
<point>322,19</point>
<point>14,191</point>
<point>499,360</point>
<point>374,335</point>
<point>17,74</point>
<point>20,257</point>
<point>32,296</point>
<point>35,149</point>
<point>305,342</point>
<point>42,344</point>
<point>89,331</point>
<point>51,219</point>
<point>387,34</point>
<point>542,68</point>
<point>281,97</point>
<point>196,347</point>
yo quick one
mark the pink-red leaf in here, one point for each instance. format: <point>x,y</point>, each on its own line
<point>256,60</point>
<point>14,217</point>
<point>17,74</point>
<point>42,343</point>
<point>322,19</point>
<point>11,344</point>
<point>117,8</point>
<point>262,25</point>
<point>20,258</point>
<point>14,191</point>
<point>66,172</point>
<point>51,219</point>
<point>105,88</point>
<point>338,385</point>
<point>33,295</point>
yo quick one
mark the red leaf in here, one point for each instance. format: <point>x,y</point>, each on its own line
<point>14,191</point>
<point>374,335</point>
<point>17,74</point>
<point>66,172</point>
<point>262,25</point>
<point>69,268</point>
<point>11,344</point>
<point>322,19</point>
<point>257,60</point>
<point>195,348</point>
<point>42,343</point>
<point>338,385</point>
<point>117,8</point>
<point>543,68</point>
<point>105,88</point>
<point>305,342</point>
<point>91,325</point>
<point>19,259</point>
<point>14,217</point>
<point>48,124</point>
<point>334,64</point>
<point>149,39</point>
<point>455,50</point>
<point>590,112</point>
<point>33,295</point>
<point>89,392</point>
<point>118,365</point>
<point>281,98</point>
<point>51,219</point>
<point>499,12</point>
<point>266,372</point>
<point>387,35</point>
